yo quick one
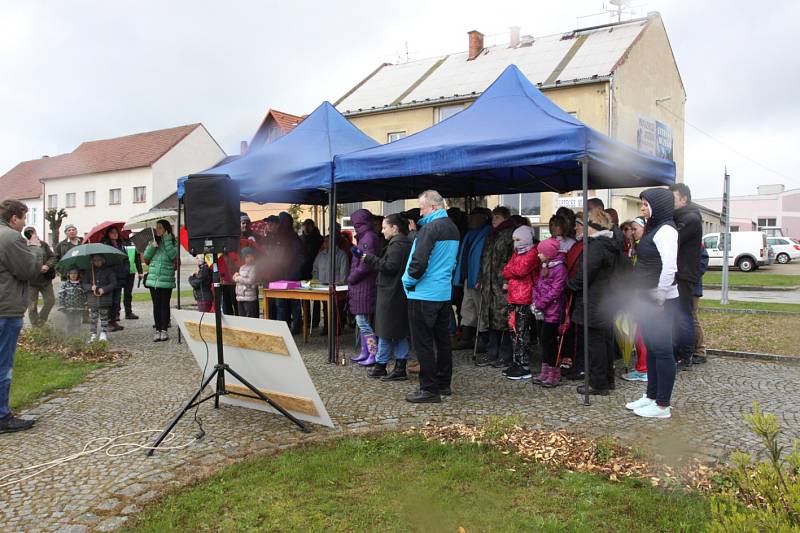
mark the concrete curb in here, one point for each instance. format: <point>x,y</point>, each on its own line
<point>754,288</point>
<point>748,311</point>
<point>774,358</point>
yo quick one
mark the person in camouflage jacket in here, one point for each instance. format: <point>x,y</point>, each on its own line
<point>494,309</point>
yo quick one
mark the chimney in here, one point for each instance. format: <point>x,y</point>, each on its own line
<point>513,41</point>
<point>242,147</point>
<point>45,156</point>
<point>475,44</point>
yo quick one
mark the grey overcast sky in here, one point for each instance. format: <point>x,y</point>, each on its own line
<point>77,70</point>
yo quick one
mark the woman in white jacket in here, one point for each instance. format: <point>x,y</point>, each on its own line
<point>654,276</point>
<point>247,285</point>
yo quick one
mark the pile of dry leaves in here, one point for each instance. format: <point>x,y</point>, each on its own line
<point>43,340</point>
<point>575,453</point>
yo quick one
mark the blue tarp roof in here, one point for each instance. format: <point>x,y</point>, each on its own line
<point>511,139</point>
<point>297,167</point>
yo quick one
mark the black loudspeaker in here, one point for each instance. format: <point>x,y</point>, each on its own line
<point>211,202</point>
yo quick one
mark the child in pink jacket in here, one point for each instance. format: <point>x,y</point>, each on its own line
<point>548,299</point>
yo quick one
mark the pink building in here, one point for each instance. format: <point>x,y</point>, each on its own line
<point>772,207</point>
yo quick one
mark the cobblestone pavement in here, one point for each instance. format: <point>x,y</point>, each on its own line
<point>98,493</point>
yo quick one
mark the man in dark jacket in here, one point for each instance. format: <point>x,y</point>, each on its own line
<point>70,241</point>
<point>20,262</point>
<point>690,235</point>
<point>603,260</point>
<point>43,283</point>
<point>428,285</point>
<point>467,275</point>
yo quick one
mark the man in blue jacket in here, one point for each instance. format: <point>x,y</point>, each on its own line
<point>428,284</point>
<point>467,275</point>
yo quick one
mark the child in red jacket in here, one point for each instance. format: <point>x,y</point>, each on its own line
<point>520,273</point>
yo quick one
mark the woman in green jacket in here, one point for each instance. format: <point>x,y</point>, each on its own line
<point>160,255</point>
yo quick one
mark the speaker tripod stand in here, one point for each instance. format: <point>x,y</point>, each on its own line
<point>218,373</point>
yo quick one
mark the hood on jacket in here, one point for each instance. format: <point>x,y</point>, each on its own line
<point>662,205</point>
<point>439,213</point>
<point>362,221</point>
<point>687,212</point>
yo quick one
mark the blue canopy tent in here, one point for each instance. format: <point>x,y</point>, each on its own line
<point>297,168</point>
<point>512,139</point>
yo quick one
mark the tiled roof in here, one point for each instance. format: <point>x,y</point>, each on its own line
<point>286,122</point>
<point>131,151</point>
<point>22,181</point>
<point>564,58</point>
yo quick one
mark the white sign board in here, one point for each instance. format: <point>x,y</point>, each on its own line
<point>264,353</point>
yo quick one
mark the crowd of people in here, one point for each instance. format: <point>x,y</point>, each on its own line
<point>429,280</point>
<point>420,284</point>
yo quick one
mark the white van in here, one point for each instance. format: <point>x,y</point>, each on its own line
<point>748,250</point>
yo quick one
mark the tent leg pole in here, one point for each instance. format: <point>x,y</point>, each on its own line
<point>178,272</point>
<point>333,308</point>
<point>585,288</point>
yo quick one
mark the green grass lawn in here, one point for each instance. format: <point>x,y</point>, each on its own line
<point>758,277</point>
<point>774,334</point>
<point>38,373</point>
<point>741,304</point>
<point>404,483</point>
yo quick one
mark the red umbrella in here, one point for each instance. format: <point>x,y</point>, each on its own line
<point>99,231</point>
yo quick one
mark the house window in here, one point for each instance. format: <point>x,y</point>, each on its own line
<point>764,222</point>
<point>527,204</point>
<point>31,217</point>
<point>349,209</point>
<point>52,201</point>
<point>395,136</point>
<point>114,196</point>
<point>139,195</point>
<point>88,198</point>
<point>274,133</point>
<point>390,208</point>
<point>70,200</point>
<point>445,112</point>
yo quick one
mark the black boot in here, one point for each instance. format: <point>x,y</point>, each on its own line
<point>377,371</point>
<point>467,340</point>
<point>398,372</point>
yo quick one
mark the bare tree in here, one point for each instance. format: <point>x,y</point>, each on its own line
<point>54,219</point>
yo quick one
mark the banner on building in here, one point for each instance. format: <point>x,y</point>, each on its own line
<point>654,138</point>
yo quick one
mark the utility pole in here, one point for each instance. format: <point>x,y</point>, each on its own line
<point>726,235</point>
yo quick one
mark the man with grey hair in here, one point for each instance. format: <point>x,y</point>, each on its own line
<point>428,284</point>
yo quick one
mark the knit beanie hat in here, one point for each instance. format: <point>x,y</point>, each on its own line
<point>248,251</point>
<point>523,239</point>
<point>640,221</point>
<point>549,247</point>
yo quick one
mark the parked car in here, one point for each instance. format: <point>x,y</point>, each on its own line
<point>748,250</point>
<point>785,248</point>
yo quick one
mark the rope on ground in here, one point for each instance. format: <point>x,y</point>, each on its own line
<point>109,445</point>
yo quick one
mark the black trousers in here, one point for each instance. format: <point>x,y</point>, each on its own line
<point>161,298</point>
<point>429,321</point>
<point>249,309</point>
<point>549,343</point>
<point>229,305</point>
<point>127,297</point>
<point>113,311</point>
<point>601,358</point>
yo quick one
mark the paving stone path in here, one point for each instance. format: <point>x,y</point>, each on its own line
<point>99,493</point>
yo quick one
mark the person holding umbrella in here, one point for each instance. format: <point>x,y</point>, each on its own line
<point>160,255</point>
<point>111,237</point>
<point>98,279</point>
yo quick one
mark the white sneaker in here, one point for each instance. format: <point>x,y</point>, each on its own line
<point>644,401</point>
<point>93,337</point>
<point>653,411</point>
<point>157,336</point>
<point>103,336</point>
<point>164,336</point>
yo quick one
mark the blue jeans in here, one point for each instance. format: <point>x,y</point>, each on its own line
<point>9,334</point>
<point>362,321</point>
<point>683,335</point>
<point>656,324</point>
<point>389,347</point>
<point>290,312</point>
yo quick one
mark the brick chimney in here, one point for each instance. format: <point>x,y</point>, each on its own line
<point>242,147</point>
<point>475,44</point>
<point>513,40</point>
